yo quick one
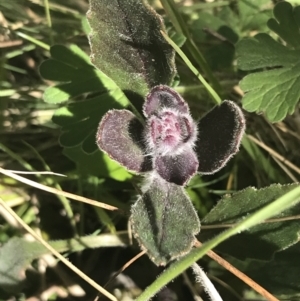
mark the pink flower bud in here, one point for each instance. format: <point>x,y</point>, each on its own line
<point>169,132</point>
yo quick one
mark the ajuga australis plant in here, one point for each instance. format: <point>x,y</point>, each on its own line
<point>172,144</point>
<point>169,150</point>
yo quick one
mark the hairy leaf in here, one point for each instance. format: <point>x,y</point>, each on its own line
<point>274,92</point>
<point>219,135</point>
<point>127,44</point>
<point>261,241</point>
<point>177,169</point>
<point>120,135</point>
<point>164,222</point>
<point>161,97</point>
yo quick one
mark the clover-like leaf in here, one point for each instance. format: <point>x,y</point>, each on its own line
<point>263,240</point>
<point>164,221</point>
<point>17,254</point>
<point>120,135</point>
<point>177,169</point>
<point>98,164</point>
<point>79,119</point>
<point>219,135</point>
<point>72,67</point>
<point>287,23</point>
<point>127,44</point>
<point>253,15</point>
<point>274,92</point>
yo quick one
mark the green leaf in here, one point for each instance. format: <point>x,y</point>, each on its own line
<point>279,276</point>
<point>253,14</point>
<point>263,51</point>
<point>97,164</point>
<point>72,66</point>
<point>263,240</point>
<point>164,222</point>
<point>127,45</point>
<point>17,254</point>
<point>79,119</point>
<point>275,92</point>
<point>287,23</point>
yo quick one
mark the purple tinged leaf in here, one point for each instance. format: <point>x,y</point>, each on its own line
<point>161,97</point>
<point>177,169</point>
<point>219,135</point>
<point>127,44</point>
<point>120,135</point>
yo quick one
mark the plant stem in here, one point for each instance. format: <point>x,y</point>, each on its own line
<point>49,22</point>
<point>206,283</point>
<point>210,90</point>
<point>58,192</point>
<point>33,40</point>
